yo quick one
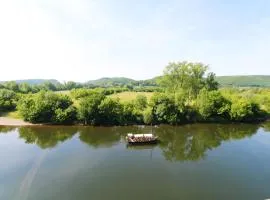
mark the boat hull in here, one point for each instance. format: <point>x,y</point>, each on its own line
<point>143,143</point>
<point>155,141</point>
<point>141,139</point>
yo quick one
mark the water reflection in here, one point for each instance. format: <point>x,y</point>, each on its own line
<point>99,136</point>
<point>46,137</point>
<point>182,143</point>
<point>192,141</point>
<point>7,129</point>
<point>266,126</point>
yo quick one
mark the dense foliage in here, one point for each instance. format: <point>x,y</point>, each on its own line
<point>8,100</point>
<point>188,94</point>
<point>47,107</point>
<point>189,78</point>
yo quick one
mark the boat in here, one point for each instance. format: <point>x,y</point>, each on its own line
<point>141,138</point>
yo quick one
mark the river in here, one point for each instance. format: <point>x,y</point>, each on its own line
<point>199,161</point>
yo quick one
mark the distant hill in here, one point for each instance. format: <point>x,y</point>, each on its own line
<point>35,81</point>
<point>224,81</point>
<point>244,81</point>
<point>111,81</point>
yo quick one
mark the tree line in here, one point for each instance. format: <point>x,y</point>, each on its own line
<point>188,93</point>
<point>25,88</point>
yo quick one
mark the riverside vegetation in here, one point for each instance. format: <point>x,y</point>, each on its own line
<point>186,93</point>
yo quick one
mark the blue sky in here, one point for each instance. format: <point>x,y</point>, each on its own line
<point>87,39</point>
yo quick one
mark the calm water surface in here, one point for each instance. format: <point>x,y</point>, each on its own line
<point>80,163</point>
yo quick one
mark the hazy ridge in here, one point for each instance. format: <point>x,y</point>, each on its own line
<point>225,81</point>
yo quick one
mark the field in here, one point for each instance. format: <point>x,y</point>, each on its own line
<point>129,96</point>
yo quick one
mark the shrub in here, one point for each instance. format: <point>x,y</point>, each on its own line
<point>148,117</point>
<point>140,102</point>
<point>211,104</point>
<point>88,110</point>
<point>46,107</point>
<point>164,109</point>
<point>244,110</point>
<point>8,100</point>
<point>131,115</point>
<point>110,112</point>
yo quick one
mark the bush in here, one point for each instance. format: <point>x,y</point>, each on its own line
<point>140,102</point>
<point>110,112</point>
<point>164,109</point>
<point>211,104</point>
<point>88,110</point>
<point>244,110</point>
<point>47,107</point>
<point>131,115</point>
<point>65,116</point>
<point>148,117</point>
<point>8,100</point>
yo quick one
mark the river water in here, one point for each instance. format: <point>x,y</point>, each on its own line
<point>199,161</point>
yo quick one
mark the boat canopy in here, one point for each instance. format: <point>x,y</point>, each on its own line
<point>139,135</point>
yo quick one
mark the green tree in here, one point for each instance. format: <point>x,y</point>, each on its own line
<point>148,117</point>
<point>11,85</point>
<point>46,107</point>
<point>164,109</point>
<point>188,77</point>
<point>65,116</point>
<point>131,115</point>
<point>211,83</point>
<point>244,110</point>
<point>8,100</point>
<point>88,110</point>
<point>71,85</point>
<point>211,104</point>
<point>48,86</point>
<point>140,102</point>
<point>110,112</point>
<point>25,88</point>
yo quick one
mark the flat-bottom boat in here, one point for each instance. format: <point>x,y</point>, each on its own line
<point>138,139</point>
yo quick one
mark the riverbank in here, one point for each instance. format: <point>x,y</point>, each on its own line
<point>8,121</point>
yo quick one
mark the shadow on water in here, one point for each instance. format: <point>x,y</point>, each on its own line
<point>178,143</point>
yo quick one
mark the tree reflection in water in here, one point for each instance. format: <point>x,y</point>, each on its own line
<point>99,136</point>
<point>191,142</point>
<point>46,137</point>
<point>7,129</point>
<point>178,143</point>
<point>266,126</point>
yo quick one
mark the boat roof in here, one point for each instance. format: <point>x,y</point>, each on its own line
<point>140,135</point>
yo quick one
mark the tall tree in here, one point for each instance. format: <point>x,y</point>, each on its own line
<point>188,77</point>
